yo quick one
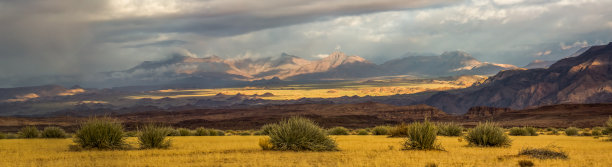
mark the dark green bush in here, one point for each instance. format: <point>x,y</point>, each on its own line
<point>265,130</point>
<point>173,132</point>
<point>300,134</point>
<point>550,152</point>
<point>53,132</point>
<point>101,133</point>
<point>363,132</point>
<point>524,131</point>
<point>572,131</point>
<point>421,136</point>
<point>338,131</point>
<point>487,135</point>
<point>153,136</point>
<point>184,132</point>
<point>29,132</point>
<point>202,132</point>
<point>449,129</point>
<point>400,130</point>
<point>212,132</point>
<point>220,133</point>
<point>380,130</point>
<point>608,127</point>
<point>3,135</point>
<point>596,132</point>
<point>245,133</point>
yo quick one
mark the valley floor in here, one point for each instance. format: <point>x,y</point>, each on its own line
<point>355,151</point>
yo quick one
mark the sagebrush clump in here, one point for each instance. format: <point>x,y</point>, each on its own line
<point>29,132</point>
<point>338,131</point>
<point>153,136</point>
<point>53,132</point>
<point>101,133</point>
<point>400,130</point>
<point>487,135</point>
<point>524,131</point>
<point>380,130</point>
<point>572,131</point>
<point>549,152</point>
<point>363,132</point>
<point>299,134</point>
<point>421,136</point>
<point>449,129</point>
<point>184,132</point>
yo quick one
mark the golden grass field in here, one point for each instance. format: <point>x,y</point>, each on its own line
<point>355,151</point>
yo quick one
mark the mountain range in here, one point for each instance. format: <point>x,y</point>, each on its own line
<point>336,66</point>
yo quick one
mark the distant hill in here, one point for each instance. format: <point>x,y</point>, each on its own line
<point>582,79</point>
<point>448,64</point>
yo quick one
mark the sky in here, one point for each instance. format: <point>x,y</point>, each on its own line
<point>76,37</point>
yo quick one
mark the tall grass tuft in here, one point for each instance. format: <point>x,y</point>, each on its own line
<point>400,130</point>
<point>571,131</point>
<point>380,130</point>
<point>299,134</point>
<point>153,136</point>
<point>488,135</point>
<point>338,131</point>
<point>449,129</point>
<point>53,132</point>
<point>608,127</point>
<point>29,132</point>
<point>101,133</point>
<point>421,136</point>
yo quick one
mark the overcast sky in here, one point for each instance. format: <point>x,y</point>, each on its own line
<point>62,37</point>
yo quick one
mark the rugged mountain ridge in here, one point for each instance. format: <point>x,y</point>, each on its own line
<point>582,79</point>
<point>288,67</point>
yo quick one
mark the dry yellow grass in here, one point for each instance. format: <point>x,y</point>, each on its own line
<point>355,151</point>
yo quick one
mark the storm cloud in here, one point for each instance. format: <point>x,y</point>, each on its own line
<point>73,37</point>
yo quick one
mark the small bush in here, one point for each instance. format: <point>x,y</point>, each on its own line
<point>212,132</point>
<point>3,135</point>
<point>380,130</point>
<point>245,133</point>
<point>571,131</point>
<point>487,135</point>
<point>101,133</point>
<point>202,132</point>
<point>220,133</point>
<point>265,144</point>
<point>525,163</point>
<point>421,136</point>
<point>53,132</point>
<point>400,130</point>
<point>608,127</point>
<point>152,136</point>
<point>363,132</point>
<point>184,132</point>
<point>596,133</point>
<point>550,152</point>
<point>29,132</point>
<point>299,134</point>
<point>554,132</point>
<point>173,132</point>
<point>524,131</point>
<point>449,129</point>
<point>338,131</point>
<point>12,136</point>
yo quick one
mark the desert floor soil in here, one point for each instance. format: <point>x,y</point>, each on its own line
<point>355,151</point>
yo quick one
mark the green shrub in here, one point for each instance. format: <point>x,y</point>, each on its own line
<point>265,130</point>
<point>29,132</point>
<point>53,132</point>
<point>487,135</point>
<point>245,133</point>
<point>532,131</point>
<point>525,163</point>
<point>184,132</point>
<point>153,136</point>
<point>524,131</point>
<point>299,134</point>
<point>212,132</point>
<point>550,152</point>
<point>3,135</point>
<point>608,127</point>
<point>101,133</point>
<point>554,132</point>
<point>12,136</point>
<point>380,130</point>
<point>173,132</point>
<point>363,132</point>
<point>421,136</point>
<point>220,133</point>
<point>338,131</point>
<point>449,129</point>
<point>202,132</point>
<point>400,130</point>
<point>596,132</point>
<point>571,131</point>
